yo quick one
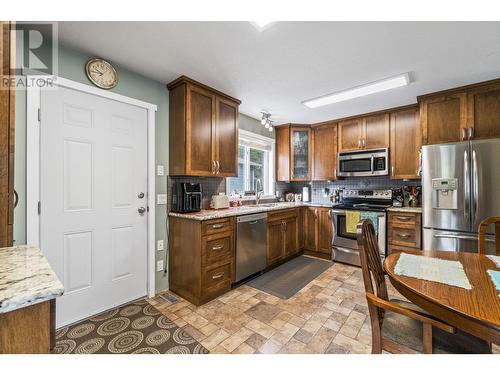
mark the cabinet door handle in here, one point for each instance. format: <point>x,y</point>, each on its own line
<point>470,133</point>
<point>359,142</point>
<point>364,142</point>
<point>403,235</point>
<point>213,166</point>
<point>329,214</point>
<point>403,218</point>
<point>218,276</point>
<point>392,170</point>
<point>464,134</point>
<point>219,247</point>
<point>217,226</point>
<point>217,165</point>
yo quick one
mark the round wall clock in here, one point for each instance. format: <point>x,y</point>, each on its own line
<point>101,73</point>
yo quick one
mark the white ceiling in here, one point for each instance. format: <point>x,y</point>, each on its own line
<point>275,70</point>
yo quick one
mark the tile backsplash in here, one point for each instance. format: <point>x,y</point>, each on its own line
<point>209,186</point>
<point>319,195</point>
<point>215,185</point>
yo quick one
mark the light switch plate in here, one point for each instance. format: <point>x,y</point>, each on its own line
<point>161,199</point>
<point>159,245</point>
<point>159,266</point>
<point>160,170</point>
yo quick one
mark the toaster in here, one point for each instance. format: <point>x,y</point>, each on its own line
<point>219,201</point>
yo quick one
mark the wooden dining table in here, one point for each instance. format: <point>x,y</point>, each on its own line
<point>476,311</point>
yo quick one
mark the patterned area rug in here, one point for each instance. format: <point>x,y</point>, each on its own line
<point>137,328</point>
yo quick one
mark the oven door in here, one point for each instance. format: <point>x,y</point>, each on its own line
<point>345,245</point>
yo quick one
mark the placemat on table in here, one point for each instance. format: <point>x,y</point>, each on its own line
<point>443,271</point>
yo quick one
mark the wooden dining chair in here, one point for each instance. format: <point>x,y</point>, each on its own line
<point>483,226</point>
<point>399,326</point>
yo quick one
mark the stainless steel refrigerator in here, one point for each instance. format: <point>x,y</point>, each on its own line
<point>461,187</point>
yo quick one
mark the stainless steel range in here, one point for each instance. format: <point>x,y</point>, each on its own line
<point>370,204</point>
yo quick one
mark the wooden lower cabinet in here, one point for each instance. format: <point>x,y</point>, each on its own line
<point>404,231</point>
<point>318,231</point>
<point>201,258</point>
<point>28,330</point>
<point>282,235</point>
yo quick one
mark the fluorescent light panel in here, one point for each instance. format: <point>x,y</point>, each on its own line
<point>356,92</point>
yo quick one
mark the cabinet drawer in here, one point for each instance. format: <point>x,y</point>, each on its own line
<point>217,226</point>
<point>404,219</point>
<point>217,248</point>
<point>282,214</point>
<point>217,278</point>
<point>404,236</point>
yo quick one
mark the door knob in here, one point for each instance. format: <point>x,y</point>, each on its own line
<point>140,195</point>
<point>141,210</point>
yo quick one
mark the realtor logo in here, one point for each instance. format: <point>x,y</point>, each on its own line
<point>35,54</point>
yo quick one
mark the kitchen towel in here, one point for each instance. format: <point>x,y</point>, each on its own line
<point>352,219</point>
<point>373,216</point>
<point>495,277</point>
<point>443,271</point>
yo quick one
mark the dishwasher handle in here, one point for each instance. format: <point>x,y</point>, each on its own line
<point>251,219</point>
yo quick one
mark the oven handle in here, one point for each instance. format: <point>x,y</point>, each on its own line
<point>373,164</point>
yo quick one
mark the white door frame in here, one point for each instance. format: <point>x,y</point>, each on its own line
<point>33,96</point>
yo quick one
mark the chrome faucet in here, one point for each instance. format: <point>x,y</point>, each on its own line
<point>258,193</point>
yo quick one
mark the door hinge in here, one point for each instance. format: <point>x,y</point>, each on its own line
<point>39,115</point>
<point>39,208</point>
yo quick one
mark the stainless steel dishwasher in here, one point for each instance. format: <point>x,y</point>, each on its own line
<point>251,245</point>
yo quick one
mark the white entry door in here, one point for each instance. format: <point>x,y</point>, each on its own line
<point>93,182</point>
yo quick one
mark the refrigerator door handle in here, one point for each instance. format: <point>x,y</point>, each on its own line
<point>462,237</point>
<point>466,187</point>
<point>475,187</point>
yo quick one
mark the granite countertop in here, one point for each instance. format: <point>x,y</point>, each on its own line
<point>244,210</point>
<point>26,278</point>
<point>405,209</point>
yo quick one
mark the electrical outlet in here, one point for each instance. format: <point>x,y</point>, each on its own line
<point>161,199</point>
<point>159,266</point>
<point>159,245</point>
<point>160,170</point>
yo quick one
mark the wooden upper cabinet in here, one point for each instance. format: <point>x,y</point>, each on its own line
<point>376,131</point>
<point>199,130</point>
<point>283,153</point>
<point>483,111</point>
<point>203,130</point>
<point>350,134</point>
<point>364,133</point>
<point>300,153</point>
<point>405,144</point>
<point>226,139</point>
<point>324,152</point>
<point>443,118</point>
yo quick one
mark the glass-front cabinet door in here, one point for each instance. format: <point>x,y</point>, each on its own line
<point>300,144</point>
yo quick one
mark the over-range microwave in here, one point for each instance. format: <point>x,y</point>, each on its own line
<point>363,163</point>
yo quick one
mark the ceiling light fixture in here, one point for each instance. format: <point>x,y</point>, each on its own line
<point>262,25</point>
<point>359,91</point>
<point>266,121</point>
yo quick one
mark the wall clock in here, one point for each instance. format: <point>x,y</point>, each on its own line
<point>101,73</point>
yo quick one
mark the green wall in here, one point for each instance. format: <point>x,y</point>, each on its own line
<point>71,66</point>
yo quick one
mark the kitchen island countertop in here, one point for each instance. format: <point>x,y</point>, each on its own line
<point>26,278</point>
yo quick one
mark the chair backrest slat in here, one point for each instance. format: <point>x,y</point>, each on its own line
<point>483,226</point>
<point>370,259</point>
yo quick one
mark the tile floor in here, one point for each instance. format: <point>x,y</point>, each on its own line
<point>329,315</point>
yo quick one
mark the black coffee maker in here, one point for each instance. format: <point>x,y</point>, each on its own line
<point>186,197</point>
